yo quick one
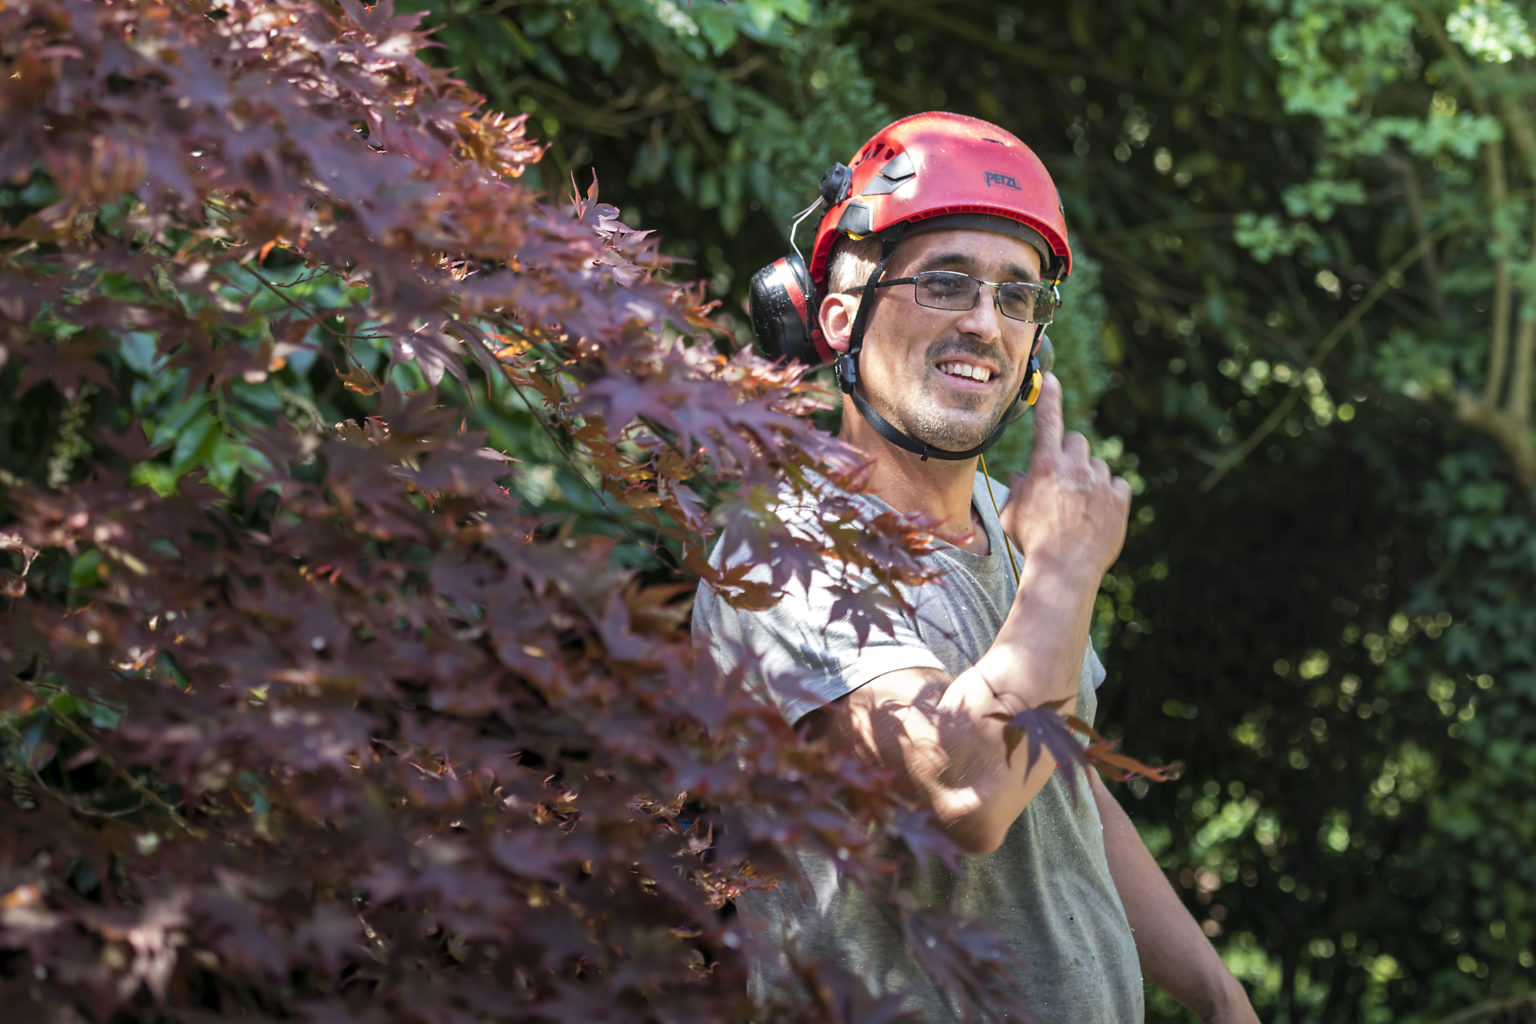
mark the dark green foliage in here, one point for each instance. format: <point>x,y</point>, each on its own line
<point>1328,628</point>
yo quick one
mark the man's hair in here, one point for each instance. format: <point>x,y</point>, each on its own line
<point>852,261</point>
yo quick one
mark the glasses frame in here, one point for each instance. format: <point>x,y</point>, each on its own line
<point>1046,290</point>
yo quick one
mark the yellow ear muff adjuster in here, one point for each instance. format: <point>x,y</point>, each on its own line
<point>1036,379</point>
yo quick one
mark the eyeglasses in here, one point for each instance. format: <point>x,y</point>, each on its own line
<point>956,291</point>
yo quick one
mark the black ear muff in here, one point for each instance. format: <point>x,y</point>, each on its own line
<point>784,307</point>
<point>1045,352</point>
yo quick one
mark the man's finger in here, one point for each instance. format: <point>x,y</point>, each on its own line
<point>1048,415</point>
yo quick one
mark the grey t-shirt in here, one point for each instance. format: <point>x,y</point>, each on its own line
<point>1047,890</point>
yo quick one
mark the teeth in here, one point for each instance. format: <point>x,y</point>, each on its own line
<point>966,370</point>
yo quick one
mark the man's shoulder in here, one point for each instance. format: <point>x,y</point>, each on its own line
<point>804,510</point>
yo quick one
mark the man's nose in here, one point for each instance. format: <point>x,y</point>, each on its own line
<point>985,318</point>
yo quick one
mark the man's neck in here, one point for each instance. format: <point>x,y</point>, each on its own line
<point>938,488</point>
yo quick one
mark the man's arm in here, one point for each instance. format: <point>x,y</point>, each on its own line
<point>939,733</point>
<point>1175,955</point>
<point>1067,517</point>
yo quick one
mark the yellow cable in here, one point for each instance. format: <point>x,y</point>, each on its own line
<point>1009,546</point>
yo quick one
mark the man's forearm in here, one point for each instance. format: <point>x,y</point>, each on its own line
<point>1175,955</point>
<point>1035,661</point>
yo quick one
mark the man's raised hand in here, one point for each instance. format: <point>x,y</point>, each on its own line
<point>1068,509</point>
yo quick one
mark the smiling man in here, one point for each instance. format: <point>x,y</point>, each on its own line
<point>938,259</point>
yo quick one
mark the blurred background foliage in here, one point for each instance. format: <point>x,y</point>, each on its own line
<point>1303,327</point>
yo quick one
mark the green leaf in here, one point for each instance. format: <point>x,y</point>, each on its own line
<point>171,426</point>
<point>722,107</point>
<point>138,351</point>
<point>86,571</point>
<point>195,443</point>
<point>605,47</point>
<point>718,26</point>
<point>155,476</point>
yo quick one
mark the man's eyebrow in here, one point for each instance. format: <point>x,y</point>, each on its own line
<point>967,263</point>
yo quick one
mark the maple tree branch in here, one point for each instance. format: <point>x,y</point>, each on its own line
<point>149,795</point>
<point>556,439</point>
<point>312,316</point>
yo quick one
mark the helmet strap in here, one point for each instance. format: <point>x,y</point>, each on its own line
<point>848,363</point>
<point>847,369</point>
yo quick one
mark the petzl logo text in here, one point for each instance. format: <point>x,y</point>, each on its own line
<point>1006,180</point>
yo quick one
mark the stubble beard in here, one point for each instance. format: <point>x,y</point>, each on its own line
<point>935,421</point>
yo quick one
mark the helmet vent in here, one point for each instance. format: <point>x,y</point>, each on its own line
<point>897,171</point>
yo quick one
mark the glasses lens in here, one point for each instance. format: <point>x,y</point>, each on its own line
<point>946,289</point>
<point>1031,303</point>
<point>1019,300</point>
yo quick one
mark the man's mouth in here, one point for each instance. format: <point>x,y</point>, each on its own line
<point>966,371</point>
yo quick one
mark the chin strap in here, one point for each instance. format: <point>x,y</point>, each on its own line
<point>847,368</point>
<point>891,433</point>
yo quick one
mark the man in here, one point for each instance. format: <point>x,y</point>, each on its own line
<point>938,258</point>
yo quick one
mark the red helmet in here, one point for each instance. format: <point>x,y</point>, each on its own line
<point>938,165</point>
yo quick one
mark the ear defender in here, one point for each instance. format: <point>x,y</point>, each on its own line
<point>1040,360</point>
<point>784,306</point>
<point>1034,377</point>
<point>1029,391</point>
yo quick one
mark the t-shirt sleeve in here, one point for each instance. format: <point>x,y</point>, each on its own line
<point>1093,668</point>
<point>807,657</point>
<point>802,652</point>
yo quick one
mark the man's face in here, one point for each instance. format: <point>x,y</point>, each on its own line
<point>948,377</point>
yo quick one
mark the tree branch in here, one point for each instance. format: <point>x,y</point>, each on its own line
<point>1513,436</point>
<point>1518,402</point>
<point>1415,197</point>
<point>1516,119</point>
<point>1386,282</point>
<point>1491,1010</point>
<point>975,30</point>
<point>1498,185</point>
<point>1432,27</point>
<point>149,795</point>
<point>1498,353</point>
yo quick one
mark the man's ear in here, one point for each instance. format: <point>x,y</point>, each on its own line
<point>838,311</point>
